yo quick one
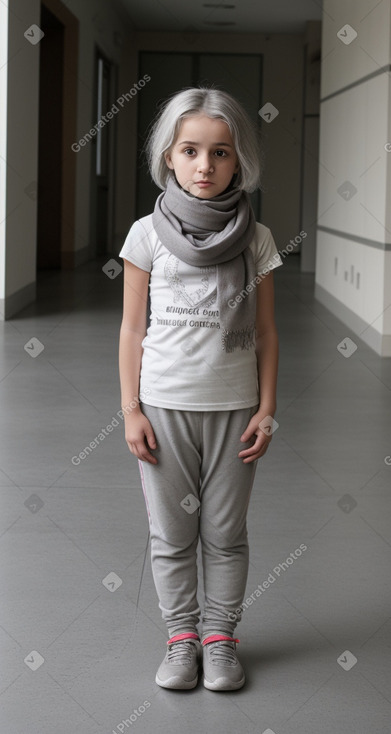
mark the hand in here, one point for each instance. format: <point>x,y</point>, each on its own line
<point>139,436</point>
<point>262,441</point>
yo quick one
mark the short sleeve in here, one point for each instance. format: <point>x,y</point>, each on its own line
<point>266,253</point>
<point>137,247</point>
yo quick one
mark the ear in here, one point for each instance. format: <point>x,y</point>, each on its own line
<point>168,160</point>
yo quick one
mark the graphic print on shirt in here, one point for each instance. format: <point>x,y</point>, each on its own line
<point>200,291</point>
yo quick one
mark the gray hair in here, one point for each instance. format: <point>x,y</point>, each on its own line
<point>213,103</point>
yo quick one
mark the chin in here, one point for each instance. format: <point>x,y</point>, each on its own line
<point>205,195</point>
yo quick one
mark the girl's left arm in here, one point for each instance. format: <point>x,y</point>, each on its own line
<point>266,348</point>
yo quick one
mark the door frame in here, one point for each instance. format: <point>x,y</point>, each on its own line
<point>112,142</point>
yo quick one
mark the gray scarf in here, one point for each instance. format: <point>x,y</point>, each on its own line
<point>216,231</point>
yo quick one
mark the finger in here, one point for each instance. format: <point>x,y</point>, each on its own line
<point>146,455</point>
<point>250,431</point>
<point>141,452</point>
<point>250,459</point>
<point>257,455</point>
<point>149,443</point>
<point>255,447</point>
<point>150,436</point>
<point>149,458</point>
<point>254,450</point>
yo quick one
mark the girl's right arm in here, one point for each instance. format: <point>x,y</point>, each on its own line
<point>139,434</point>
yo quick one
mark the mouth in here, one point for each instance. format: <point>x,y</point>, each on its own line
<point>203,183</point>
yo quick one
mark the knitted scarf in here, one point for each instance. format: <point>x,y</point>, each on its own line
<point>216,231</point>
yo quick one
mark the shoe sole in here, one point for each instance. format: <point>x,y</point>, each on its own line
<point>177,684</point>
<point>223,685</point>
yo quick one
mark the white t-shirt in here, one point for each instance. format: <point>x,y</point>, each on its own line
<point>184,365</point>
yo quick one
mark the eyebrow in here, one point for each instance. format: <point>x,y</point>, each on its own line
<point>191,142</point>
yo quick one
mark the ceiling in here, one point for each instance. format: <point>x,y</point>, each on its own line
<point>235,16</point>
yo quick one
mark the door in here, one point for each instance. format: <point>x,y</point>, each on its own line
<point>50,143</point>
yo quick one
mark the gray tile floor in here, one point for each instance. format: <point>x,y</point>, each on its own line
<point>81,633</point>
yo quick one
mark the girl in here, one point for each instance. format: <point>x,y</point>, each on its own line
<point>203,375</point>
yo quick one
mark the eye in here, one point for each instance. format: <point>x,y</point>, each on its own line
<point>221,153</point>
<point>189,151</point>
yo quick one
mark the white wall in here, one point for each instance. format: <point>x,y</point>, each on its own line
<point>3,142</point>
<point>22,155</point>
<point>354,234</point>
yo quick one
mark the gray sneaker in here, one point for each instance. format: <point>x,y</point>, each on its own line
<point>222,669</point>
<point>179,668</point>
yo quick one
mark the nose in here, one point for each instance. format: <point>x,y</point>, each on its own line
<point>205,164</point>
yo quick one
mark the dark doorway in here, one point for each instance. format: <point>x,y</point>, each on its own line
<point>50,142</point>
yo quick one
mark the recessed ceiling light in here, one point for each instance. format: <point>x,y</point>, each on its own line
<point>224,6</point>
<point>218,22</point>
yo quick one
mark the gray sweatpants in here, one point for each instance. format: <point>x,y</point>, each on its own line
<point>200,488</point>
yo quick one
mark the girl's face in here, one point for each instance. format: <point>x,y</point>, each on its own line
<point>203,156</point>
